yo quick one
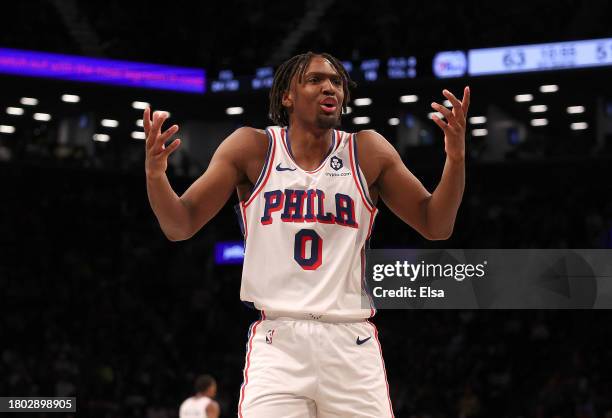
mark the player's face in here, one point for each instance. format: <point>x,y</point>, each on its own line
<point>213,390</point>
<point>317,98</point>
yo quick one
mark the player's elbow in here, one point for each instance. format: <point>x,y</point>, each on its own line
<point>176,236</point>
<point>438,235</point>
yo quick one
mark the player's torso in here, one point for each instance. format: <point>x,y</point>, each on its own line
<point>194,407</point>
<point>306,232</point>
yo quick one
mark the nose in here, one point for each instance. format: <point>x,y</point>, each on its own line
<point>328,87</point>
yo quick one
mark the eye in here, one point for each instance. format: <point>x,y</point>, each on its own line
<point>313,79</point>
<point>337,81</point>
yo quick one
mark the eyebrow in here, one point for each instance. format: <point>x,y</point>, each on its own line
<point>332,75</point>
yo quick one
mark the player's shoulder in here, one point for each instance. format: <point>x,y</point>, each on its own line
<point>249,134</point>
<point>247,141</point>
<point>186,401</point>
<point>369,140</point>
<point>213,406</point>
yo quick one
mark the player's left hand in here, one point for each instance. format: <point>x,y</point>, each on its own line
<point>455,124</point>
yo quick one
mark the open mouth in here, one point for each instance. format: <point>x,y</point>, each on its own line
<point>328,107</point>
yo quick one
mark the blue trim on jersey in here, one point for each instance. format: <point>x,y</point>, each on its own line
<point>268,162</point>
<point>366,192</point>
<point>249,305</point>
<point>240,221</point>
<point>329,151</point>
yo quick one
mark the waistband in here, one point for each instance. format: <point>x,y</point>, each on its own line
<point>265,314</point>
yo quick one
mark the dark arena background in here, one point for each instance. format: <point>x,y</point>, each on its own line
<point>97,304</point>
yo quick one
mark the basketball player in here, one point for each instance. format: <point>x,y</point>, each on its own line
<point>201,405</point>
<point>307,202</point>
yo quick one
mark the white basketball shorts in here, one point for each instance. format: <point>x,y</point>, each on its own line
<point>299,368</point>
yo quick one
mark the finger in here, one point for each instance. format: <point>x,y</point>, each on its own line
<point>447,113</point>
<point>173,146</point>
<point>155,133</point>
<point>455,102</point>
<point>466,100</point>
<point>146,120</point>
<point>161,118</point>
<point>168,133</point>
<point>440,123</point>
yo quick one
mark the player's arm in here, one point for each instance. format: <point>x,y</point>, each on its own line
<point>401,191</point>
<point>432,215</point>
<point>181,217</point>
<point>213,410</point>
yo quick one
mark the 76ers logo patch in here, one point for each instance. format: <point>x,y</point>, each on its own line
<point>335,163</point>
<point>269,336</point>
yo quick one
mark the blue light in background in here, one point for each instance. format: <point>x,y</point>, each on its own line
<point>229,252</point>
<point>102,71</point>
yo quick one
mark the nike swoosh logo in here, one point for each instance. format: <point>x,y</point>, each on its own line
<point>359,341</point>
<point>279,168</point>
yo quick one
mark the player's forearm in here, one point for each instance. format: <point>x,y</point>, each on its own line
<point>171,213</point>
<point>444,202</point>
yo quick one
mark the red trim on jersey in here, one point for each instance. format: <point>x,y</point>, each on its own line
<point>244,220</point>
<point>333,148</point>
<point>383,364</point>
<point>355,174</point>
<point>363,261</point>
<point>248,363</point>
<point>338,140</point>
<point>270,162</point>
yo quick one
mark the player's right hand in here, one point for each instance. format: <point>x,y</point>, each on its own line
<point>156,159</point>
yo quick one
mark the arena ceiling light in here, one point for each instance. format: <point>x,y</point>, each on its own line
<point>430,115</point>
<point>477,120</point>
<point>549,88</point>
<point>14,111</point>
<point>348,110</point>
<point>480,132</point>
<point>234,110</point>
<point>447,103</point>
<point>140,105</point>
<point>523,97</point>
<point>43,117</point>
<point>578,126</point>
<point>362,101</point>
<point>538,108</point>
<point>28,101</point>
<point>101,137</point>
<point>361,120</point>
<point>140,123</point>
<point>70,98</point>
<point>394,121</point>
<point>539,122</point>
<point>138,135</point>
<point>109,123</point>
<point>7,129</point>
<point>409,98</point>
<point>575,109</point>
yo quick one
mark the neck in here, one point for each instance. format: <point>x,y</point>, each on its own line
<point>309,142</point>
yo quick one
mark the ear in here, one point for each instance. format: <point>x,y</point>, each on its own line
<point>287,100</point>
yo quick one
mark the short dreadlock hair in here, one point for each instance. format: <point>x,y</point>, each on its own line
<point>297,65</point>
<point>203,382</point>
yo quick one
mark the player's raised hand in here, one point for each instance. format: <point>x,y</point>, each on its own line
<point>156,160</point>
<point>455,125</point>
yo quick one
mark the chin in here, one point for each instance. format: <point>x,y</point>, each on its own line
<point>328,122</point>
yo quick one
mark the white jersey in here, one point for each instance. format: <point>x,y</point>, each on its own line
<point>306,234</point>
<point>194,407</point>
